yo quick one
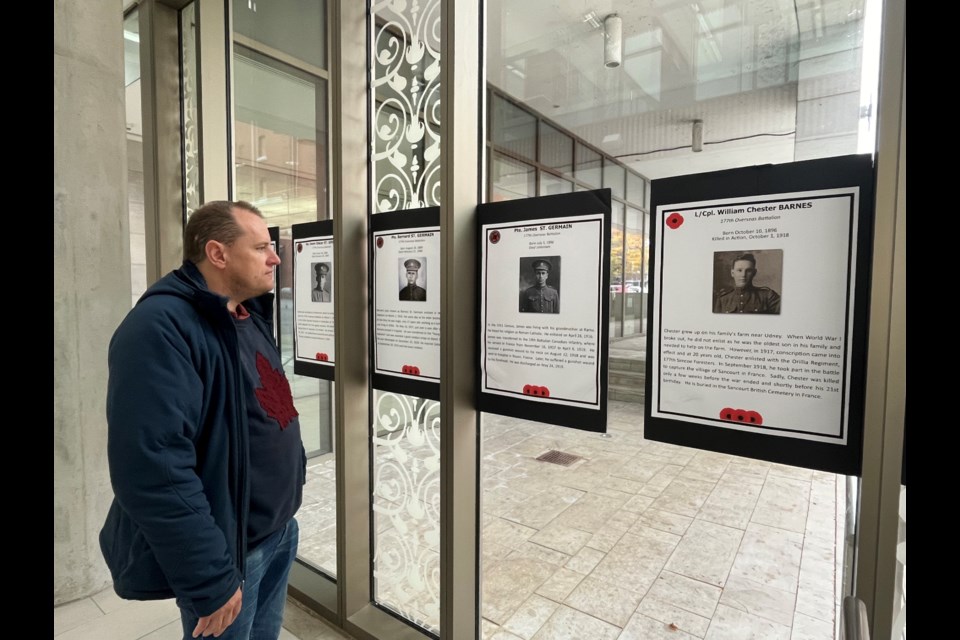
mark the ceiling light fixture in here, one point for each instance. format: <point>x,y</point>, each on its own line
<point>612,41</point>
<point>697,143</point>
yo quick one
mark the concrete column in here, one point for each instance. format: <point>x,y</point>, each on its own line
<point>91,282</point>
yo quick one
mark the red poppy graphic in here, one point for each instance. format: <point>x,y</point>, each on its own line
<point>674,220</point>
<point>322,357</point>
<point>379,243</point>
<point>494,236</point>
<point>299,247</point>
<point>752,417</point>
<point>527,389</point>
<point>726,413</point>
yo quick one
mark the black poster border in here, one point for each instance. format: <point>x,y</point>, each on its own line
<point>770,180</point>
<point>530,210</point>
<point>275,238</point>
<point>322,228</point>
<point>397,221</point>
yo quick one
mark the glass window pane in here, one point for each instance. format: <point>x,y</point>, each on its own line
<point>514,129</point>
<point>556,149</point>
<point>280,153</point>
<point>636,189</point>
<point>616,269</point>
<point>589,165</point>
<point>511,179</point>
<point>297,28</point>
<point>135,197</point>
<point>613,177</point>
<point>406,506</point>
<point>633,286</point>
<point>551,184</point>
<point>190,110</point>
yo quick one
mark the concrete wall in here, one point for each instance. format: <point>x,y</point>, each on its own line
<point>91,281</point>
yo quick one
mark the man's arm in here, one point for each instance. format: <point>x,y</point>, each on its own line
<point>154,403</point>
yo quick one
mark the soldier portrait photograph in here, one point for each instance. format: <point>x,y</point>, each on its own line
<point>413,272</point>
<point>747,281</point>
<point>321,282</point>
<point>540,284</point>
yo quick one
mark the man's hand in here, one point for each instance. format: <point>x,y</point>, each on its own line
<point>218,621</point>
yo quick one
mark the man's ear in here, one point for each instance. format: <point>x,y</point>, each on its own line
<point>216,254</point>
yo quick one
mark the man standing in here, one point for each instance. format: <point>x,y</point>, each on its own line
<point>321,293</point>
<point>412,291</point>
<point>540,298</point>
<point>204,447</point>
<point>744,297</point>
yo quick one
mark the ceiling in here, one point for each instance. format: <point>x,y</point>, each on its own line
<point>740,66</point>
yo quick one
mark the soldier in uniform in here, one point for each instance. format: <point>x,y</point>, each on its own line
<point>412,291</point>
<point>321,293</point>
<point>540,298</point>
<point>744,297</point>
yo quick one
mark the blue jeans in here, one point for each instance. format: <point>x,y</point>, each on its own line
<point>264,589</point>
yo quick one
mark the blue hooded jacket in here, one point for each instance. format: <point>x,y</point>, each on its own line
<point>178,447</point>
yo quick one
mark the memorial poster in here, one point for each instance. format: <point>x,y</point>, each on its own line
<point>406,277</point>
<point>755,309</point>
<point>313,292</point>
<point>544,308</point>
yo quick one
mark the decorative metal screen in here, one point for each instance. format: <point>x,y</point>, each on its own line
<point>405,174</point>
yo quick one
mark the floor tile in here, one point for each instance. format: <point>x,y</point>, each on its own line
<point>642,627</point>
<point>674,616</point>
<point>531,615</point>
<point>569,624</point>
<point>73,614</point>
<point>637,559</point>
<point>603,600</point>
<point>783,504</point>
<point>807,628</point>
<point>816,603</point>
<point>561,537</point>
<point>706,552</point>
<point>729,623</point>
<point>688,594</point>
<point>664,521</point>
<point>543,507</point>
<point>759,599</point>
<point>133,620</point>
<point>585,560</point>
<point>770,556</point>
<point>508,583</point>
<point>558,586</point>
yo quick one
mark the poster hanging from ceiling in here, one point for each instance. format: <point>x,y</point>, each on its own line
<point>544,274</point>
<point>313,327</point>
<point>406,302</point>
<point>757,324</point>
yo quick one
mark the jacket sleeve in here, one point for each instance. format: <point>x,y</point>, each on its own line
<point>154,407</point>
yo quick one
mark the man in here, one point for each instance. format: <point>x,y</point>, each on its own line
<point>540,298</point>
<point>744,297</point>
<point>321,293</point>
<point>412,291</point>
<point>204,447</point>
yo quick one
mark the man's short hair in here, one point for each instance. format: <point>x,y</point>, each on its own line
<point>212,221</point>
<point>745,256</point>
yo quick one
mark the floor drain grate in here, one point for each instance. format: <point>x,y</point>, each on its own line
<point>558,457</point>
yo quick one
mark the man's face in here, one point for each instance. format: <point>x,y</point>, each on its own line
<point>743,272</point>
<point>542,275</point>
<point>322,281</point>
<point>411,277</point>
<point>250,259</point>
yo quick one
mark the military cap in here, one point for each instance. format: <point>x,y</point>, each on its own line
<point>322,268</point>
<point>542,264</point>
<point>412,264</point>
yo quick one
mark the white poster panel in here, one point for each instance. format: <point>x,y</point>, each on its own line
<point>406,302</point>
<point>755,300</point>
<point>540,309</point>
<point>313,300</point>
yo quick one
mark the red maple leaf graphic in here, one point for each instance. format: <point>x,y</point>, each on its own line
<point>274,394</point>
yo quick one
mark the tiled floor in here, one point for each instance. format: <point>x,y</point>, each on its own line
<point>636,540</point>
<point>104,616</point>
